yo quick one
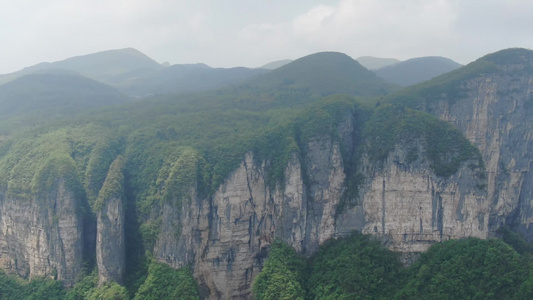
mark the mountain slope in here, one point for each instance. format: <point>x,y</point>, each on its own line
<point>36,98</point>
<point>180,79</point>
<point>416,70</point>
<point>137,75</point>
<point>102,65</point>
<point>324,74</point>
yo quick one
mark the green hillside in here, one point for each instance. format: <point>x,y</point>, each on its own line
<point>179,79</point>
<point>326,73</point>
<point>416,70</point>
<point>100,66</point>
<point>34,99</point>
<point>514,62</point>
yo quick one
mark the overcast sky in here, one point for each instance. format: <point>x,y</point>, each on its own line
<point>227,33</point>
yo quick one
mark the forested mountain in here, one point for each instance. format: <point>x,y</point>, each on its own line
<point>100,66</point>
<point>416,70</point>
<point>326,73</point>
<point>136,75</point>
<point>179,79</point>
<point>36,98</point>
<point>141,198</point>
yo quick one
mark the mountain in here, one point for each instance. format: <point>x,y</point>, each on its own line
<point>276,64</point>
<point>373,63</point>
<point>209,183</point>
<point>101,65</point>
<point>324,74</point>
<point>137,75</point>
<point>178,79</point>
<point>35,98</point>
<point>416,70</point>
<point>490,101</point>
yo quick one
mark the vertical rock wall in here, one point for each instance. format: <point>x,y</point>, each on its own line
<point>110,240</point>
<point>495,114</point>
<point>42,237</point>
<point>226,237</point>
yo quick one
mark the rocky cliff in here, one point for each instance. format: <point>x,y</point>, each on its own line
<point>110,240</point>
<point>226,236</point>
<point>42,236</point>
<point>493,107</point>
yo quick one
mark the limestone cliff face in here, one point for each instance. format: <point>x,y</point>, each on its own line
<point>226,237</point>
<point>494,112</point>
<point>42,236</point>
<point>110,241</point>
<point>411,208</point>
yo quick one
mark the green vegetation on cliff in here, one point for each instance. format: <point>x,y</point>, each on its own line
<point>113,185</point>
<point>445,146</point>
<point>452,86</point>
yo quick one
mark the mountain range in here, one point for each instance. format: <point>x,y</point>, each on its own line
<point>201,183</point>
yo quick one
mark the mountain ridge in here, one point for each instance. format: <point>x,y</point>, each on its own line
<point>416,70</point>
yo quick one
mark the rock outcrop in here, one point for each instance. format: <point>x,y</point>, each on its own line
<point>226,236</point>
<point>494,112</point>
<point>110,240</point>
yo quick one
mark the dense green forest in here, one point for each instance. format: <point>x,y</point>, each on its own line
<point>360,267</point>
<point>354,267</point>
<point>161,282</point>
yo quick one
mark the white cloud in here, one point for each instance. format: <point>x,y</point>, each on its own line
<point>311,24</point>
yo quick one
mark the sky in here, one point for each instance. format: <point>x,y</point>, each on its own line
<point>229,33</point>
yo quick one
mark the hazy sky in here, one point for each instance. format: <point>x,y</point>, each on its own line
<point>225,33</point>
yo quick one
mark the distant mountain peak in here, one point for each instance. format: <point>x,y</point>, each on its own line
<point>416,70</point>
<point>98,66</point>
<point>326,73</point>
<point>511,56</point>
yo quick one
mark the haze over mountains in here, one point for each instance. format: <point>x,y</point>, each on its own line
<point>137,75</point>
<point>374,63</point>
<point>35,98</point>
<point>114,76</point>
<point>416,70</point>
